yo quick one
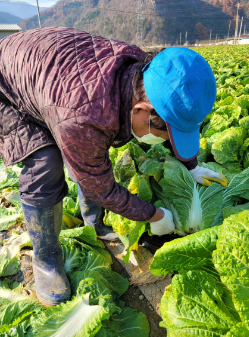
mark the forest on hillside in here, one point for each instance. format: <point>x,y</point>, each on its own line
<point>163,20</point>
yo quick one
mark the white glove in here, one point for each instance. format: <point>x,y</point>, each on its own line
<point>202,176</point>
<point>163,226</point>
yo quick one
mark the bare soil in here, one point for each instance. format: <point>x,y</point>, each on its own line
<point>132,300</point>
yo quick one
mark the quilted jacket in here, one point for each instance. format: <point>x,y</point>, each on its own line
<point>67,87</point>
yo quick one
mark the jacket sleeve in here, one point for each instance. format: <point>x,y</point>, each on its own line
<point>85,148</point>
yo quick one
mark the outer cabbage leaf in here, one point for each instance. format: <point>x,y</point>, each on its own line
<point>227,148</point>
<point>244,122</point>
<point>83,234</point>
<point>10,292</point>
<point>153,168</point>
<point>137,153</point>
<point>217,123</point>
<point>15,243</point>
<point>12,195</point>
<point>70,242</point>
<point>238,187</point>
<point>128,323</point>
<point>97,263</point>
<point>194,208</point>
<point>74,318</point>
<point>9,177</point>
<point>92,282</point>
<point>14,313</point>
<point>120,224</point>
<point>203,151</point>
<point>73,258</point>
<point>134,183</point>
<point>9,218</point>
<point>189,253</point>
<point>228,211</point>
<point>158,151</point>
<point>239,330</point>
<point>8,266</point>
<point>144,189</point>
<point>124,169</point>
<point>242,101</point>
<point>231,259</point>
<point>133,238</point>
<point>194,307</point>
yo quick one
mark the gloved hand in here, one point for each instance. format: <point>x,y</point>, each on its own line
<point>163,226</point>
<point>202,176</point>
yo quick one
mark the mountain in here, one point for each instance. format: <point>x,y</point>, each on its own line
<point>8,18</point>
<point>18,8</point>
<point>162,22</point>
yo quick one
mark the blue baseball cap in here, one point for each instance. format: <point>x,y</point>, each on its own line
<point>181,87</point>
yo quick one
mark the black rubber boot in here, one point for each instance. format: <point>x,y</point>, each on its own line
<point>92,215</point>
<point>44,226</point>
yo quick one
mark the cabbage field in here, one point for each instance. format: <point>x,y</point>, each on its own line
<point>209,296</point>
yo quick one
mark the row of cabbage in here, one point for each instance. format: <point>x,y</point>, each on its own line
<point>209,295</point>
<point>94,308</point>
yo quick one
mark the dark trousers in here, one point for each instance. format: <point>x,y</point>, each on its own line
<point>42,180</point>
<point>42,184</point>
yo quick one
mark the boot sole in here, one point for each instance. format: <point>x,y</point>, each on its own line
<point>47,305</point>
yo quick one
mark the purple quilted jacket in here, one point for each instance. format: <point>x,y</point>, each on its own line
<point>72,89</point>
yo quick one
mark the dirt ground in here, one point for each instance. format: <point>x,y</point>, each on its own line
<point>132,300</point>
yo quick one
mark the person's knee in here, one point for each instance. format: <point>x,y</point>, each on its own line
<point>42,179</point>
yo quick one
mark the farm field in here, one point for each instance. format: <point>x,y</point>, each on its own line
<point>209,294</point>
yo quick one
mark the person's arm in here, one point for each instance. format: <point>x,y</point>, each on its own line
<point>86,150</point>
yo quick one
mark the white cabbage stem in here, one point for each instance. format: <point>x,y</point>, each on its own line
<point>195,212</point>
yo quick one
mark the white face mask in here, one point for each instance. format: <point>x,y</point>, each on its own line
<point>149,138</point>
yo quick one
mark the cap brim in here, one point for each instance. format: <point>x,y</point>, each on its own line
<point>185,144</point>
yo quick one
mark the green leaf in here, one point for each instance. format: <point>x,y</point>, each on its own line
<point>242,101</point>
<point>8,218</point>
<point>83,234</point>
<point>144,189</point>
<point>134,184</point>
<point>228,211</point>
<point>120,224</point>
<point>194,208</point>
<point>203,151</point>
<point>73,258</point>
<point>10,292</point>
<point>124,169</point>
<point>189,253</point>
<point>8,266</point>
<point>134,236</point>
<point>128,323</point>
<point>97,263</point>
<point>217,123</point>
<point>74,318</point>
<point>238,187</point>
<point>231,259</point>
<point>158,152</point>
<point>92,282</point>
<point>239,330</point>
<point>194,307</point>
<point>152,168</point>
<point>226,149</point>
<point>244,122</point>
<point>8,178</point>
<point>15,312</point>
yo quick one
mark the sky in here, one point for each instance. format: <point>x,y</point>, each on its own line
<point>42,3</point>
